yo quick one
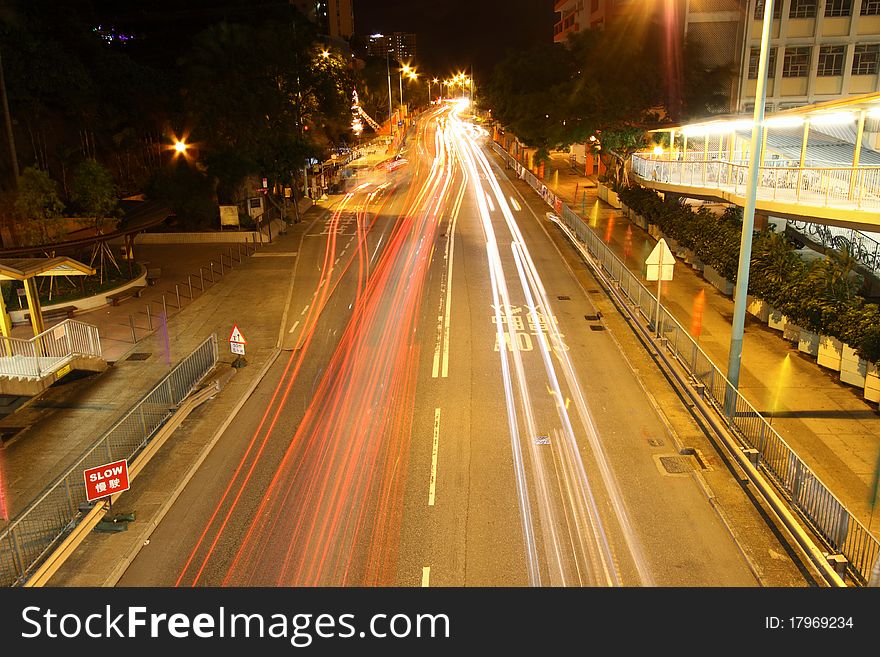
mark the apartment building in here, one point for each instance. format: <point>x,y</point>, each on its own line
<point>401,46</point>
<point>335,18</point>
<point>819,50</point>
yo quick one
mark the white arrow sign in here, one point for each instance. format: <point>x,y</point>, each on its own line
<point>660,263</point>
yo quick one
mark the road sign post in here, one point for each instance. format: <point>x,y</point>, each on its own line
<point>237,344</point>
<point>106,480</point>
<point>659,263</point>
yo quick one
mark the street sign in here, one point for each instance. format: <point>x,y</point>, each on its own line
<point>660,262</point>
<point>237,341</point>
<point>229,215</point>
<point>106,480</point>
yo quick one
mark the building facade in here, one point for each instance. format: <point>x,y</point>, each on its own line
<point>819,50</point>
<point>335,18</point>
<point>401,46</point>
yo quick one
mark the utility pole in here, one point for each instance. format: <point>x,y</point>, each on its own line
<point>390,108</point>
<point>748,224</point>
<point>8,120</point>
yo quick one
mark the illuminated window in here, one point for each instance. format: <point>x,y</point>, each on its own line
<point>796,62</point>
<point>831,60</point>
<point>865,59</point>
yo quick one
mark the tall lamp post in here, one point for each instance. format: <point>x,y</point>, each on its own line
<point>748,224</point>
<point>390,107</point>
<point>404,69</point>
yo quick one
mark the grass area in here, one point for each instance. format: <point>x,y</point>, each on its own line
<point>67,290</point>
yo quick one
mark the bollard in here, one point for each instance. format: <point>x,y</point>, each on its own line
<point>230,257</point>
<point>221,264</point>
<point>164,307</point>
<point>133,332</point>
<point>212,271</point>
<point>202,278</point>
<point>190,281</point>
<point>149,316</point>
<point>177,292</point>
<point>239,251</point>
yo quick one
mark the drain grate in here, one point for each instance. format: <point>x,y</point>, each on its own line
<point>677,464</point>
<point>594,291</point>
<point>591,318</point>
<point>139,355</point>
<point>597,327</point>
<point>564,298</point>
<point>655,442</point>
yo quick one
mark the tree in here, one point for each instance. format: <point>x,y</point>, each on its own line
<point>94,191</point>
<point>38,204</point>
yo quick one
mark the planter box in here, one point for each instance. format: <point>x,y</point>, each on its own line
<point>652,230</point>
<point>689,256</point>
<point>758,308</point>
<point>698,264</point>
<point>609,196</point>
<point>808,342</point>
<point>722,284</point>
<point>872,383</point>
<point>830,352</point>
<point>776,320</point>
<point>791,331</point>
<point>852,368</point>
<point>640,221</point>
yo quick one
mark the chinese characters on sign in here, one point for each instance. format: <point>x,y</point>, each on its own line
<point>106,480</point>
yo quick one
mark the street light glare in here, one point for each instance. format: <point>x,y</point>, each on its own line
<point>325,54</point>
<point>180,146</point>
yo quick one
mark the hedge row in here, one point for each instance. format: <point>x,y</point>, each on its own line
<point>821,296</point>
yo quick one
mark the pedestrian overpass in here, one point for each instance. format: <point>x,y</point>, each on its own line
<point>819,168</point>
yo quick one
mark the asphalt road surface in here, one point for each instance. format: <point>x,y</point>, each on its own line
<point>442,414</point>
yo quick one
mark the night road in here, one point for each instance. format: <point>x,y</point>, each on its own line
<point>441,414</point>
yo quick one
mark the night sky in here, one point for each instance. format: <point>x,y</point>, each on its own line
<point>455,34</point>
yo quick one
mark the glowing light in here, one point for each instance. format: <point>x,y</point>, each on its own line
<point>325,54</point>
<point>658,150</point>
<point>180,146</point>
<point>832,118</point>
<point>784,122</point>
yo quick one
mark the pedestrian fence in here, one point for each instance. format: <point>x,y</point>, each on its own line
<point>47,352</point>
<point>34,533</point>
<point>799,485</point>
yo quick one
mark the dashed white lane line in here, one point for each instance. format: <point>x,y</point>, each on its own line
<point>433,485</point>
<point>426,576</point>
<point>305,309</point>
<point>515,205</point>
<point>293,328</point>
<point>489,201</point>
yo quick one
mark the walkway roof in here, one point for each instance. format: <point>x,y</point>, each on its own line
<point>20,269</point>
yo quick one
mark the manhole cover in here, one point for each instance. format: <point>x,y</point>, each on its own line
<point>564,298</point>
<point>597,327</point>
<point>139,355</point>
<point>676,464</point>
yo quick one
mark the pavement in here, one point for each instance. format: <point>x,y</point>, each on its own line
<point>829,424</point>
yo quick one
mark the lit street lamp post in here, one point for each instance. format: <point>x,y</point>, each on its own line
<point>748,224</point>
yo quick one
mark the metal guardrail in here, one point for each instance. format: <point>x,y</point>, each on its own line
<point>845,187</point>
<point>46,352</point>
<point>32,535</point>
<point>861,246</point>
<point>814,502</point>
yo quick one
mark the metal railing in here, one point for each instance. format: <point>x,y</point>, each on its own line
<point>35,532</point>
<point>845,187</point>
<point>807,494</point>
<point>864,248</point>
<point>46,352</point>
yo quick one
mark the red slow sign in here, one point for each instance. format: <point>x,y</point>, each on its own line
<point>106,480</point>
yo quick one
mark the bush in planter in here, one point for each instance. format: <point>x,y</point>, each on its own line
<point>861,330</point>
<point>774,269</point>
<point>719,247</point>
<point>825,294</point>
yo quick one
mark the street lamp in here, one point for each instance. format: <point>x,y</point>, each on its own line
<point>405,69</point>
<point>435,81</point>
<point>748,224</point>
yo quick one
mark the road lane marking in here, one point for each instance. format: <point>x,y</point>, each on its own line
<point>441,351</point>
<point>280,254</point>
<point>515,205</point>
<point>293,328</point>
<point>305,309</point>
<point>489,201</point>
<point>433,485</point>
<point>426,576</point>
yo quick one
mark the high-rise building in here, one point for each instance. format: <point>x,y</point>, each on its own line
<point>578,15</point>
<point>399,45</point>
<point>819,50</point>
<point>335,18</point>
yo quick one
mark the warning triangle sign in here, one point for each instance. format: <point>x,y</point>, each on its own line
<point>236,335</point>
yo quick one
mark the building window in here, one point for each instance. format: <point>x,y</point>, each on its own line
<point>838,7</point>
<point>865,59</point>
<point>831,60</point>
<point>753,63</point>
<point>870,8</point>
<point>796,63</point>
<point>803,9</point>
<point>777,9</point>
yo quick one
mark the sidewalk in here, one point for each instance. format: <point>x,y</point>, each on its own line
<point>57,427</point>
<point>827,423</point>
